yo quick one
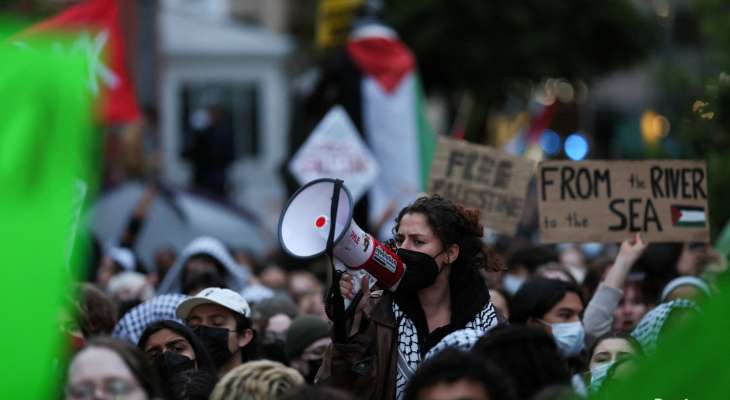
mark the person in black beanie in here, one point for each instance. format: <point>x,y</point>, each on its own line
<point>306,342</point>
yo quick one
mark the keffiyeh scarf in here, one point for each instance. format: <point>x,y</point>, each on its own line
<point>136,320</point>
<point>409,354</point>
<point>648,330</point>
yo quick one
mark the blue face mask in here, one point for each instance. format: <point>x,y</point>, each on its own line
<point>569,337</point>
<point>512,283</point>
<point>598,375</point>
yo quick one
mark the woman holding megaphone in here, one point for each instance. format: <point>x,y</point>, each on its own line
<point>442,291</point>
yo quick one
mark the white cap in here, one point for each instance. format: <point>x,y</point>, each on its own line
<point>223,297</point>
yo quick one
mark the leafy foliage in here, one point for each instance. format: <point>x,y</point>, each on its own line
<point>704,120</point>
<point>485,47</point>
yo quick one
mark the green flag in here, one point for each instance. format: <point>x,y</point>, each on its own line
<point>45,152</point>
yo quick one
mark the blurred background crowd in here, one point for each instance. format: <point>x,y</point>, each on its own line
<point>191,185</point>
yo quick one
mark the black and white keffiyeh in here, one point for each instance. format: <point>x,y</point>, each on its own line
<point>648,329</point>
<point>409,354</point>
<point>462,339</point>
<point>134,322</point>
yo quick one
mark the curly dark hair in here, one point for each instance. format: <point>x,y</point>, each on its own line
<point>452,224</point>
<point>455,224</point>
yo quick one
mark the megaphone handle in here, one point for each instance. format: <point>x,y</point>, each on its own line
<point>334,205</point>
<point>338,306</point>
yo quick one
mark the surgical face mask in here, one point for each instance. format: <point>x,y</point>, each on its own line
<point>512,283</point>
<point>569,337</point>
<point>598,375</point>
<point>216,342</point>
<point>421,270</point>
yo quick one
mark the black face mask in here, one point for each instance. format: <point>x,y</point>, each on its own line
<point>313,368</point>
<point>216,342</point>
<point>421,270</point>
<point>170,363</point>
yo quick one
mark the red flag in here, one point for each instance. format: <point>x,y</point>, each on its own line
<point>95,25</point>
<point>385,59</point>
<point>541,122</point>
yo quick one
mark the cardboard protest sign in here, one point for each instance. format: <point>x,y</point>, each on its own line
<point>481,177</point>
<point>608,201</point>
<point>335,150</point>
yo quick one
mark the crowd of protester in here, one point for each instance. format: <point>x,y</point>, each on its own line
<point>511,320</point>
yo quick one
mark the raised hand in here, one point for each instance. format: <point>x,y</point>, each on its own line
<point>631,250</point>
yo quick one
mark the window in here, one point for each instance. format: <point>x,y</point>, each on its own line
<point>224,114</point>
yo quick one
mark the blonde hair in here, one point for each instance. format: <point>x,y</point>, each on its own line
<point>264,379</point>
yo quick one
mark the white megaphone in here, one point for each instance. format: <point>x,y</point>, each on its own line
<point>304,227</point>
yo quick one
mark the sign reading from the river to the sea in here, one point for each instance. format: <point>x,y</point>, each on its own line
<point>481,177</point>
<point>608,201</point>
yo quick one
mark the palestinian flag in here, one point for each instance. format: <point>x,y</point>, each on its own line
<point>393,122</point>
<point>688,216</point>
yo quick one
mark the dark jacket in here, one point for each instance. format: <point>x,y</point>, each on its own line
<point>366,364</point>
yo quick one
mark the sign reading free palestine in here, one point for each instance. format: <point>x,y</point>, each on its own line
<point>482,177</point>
